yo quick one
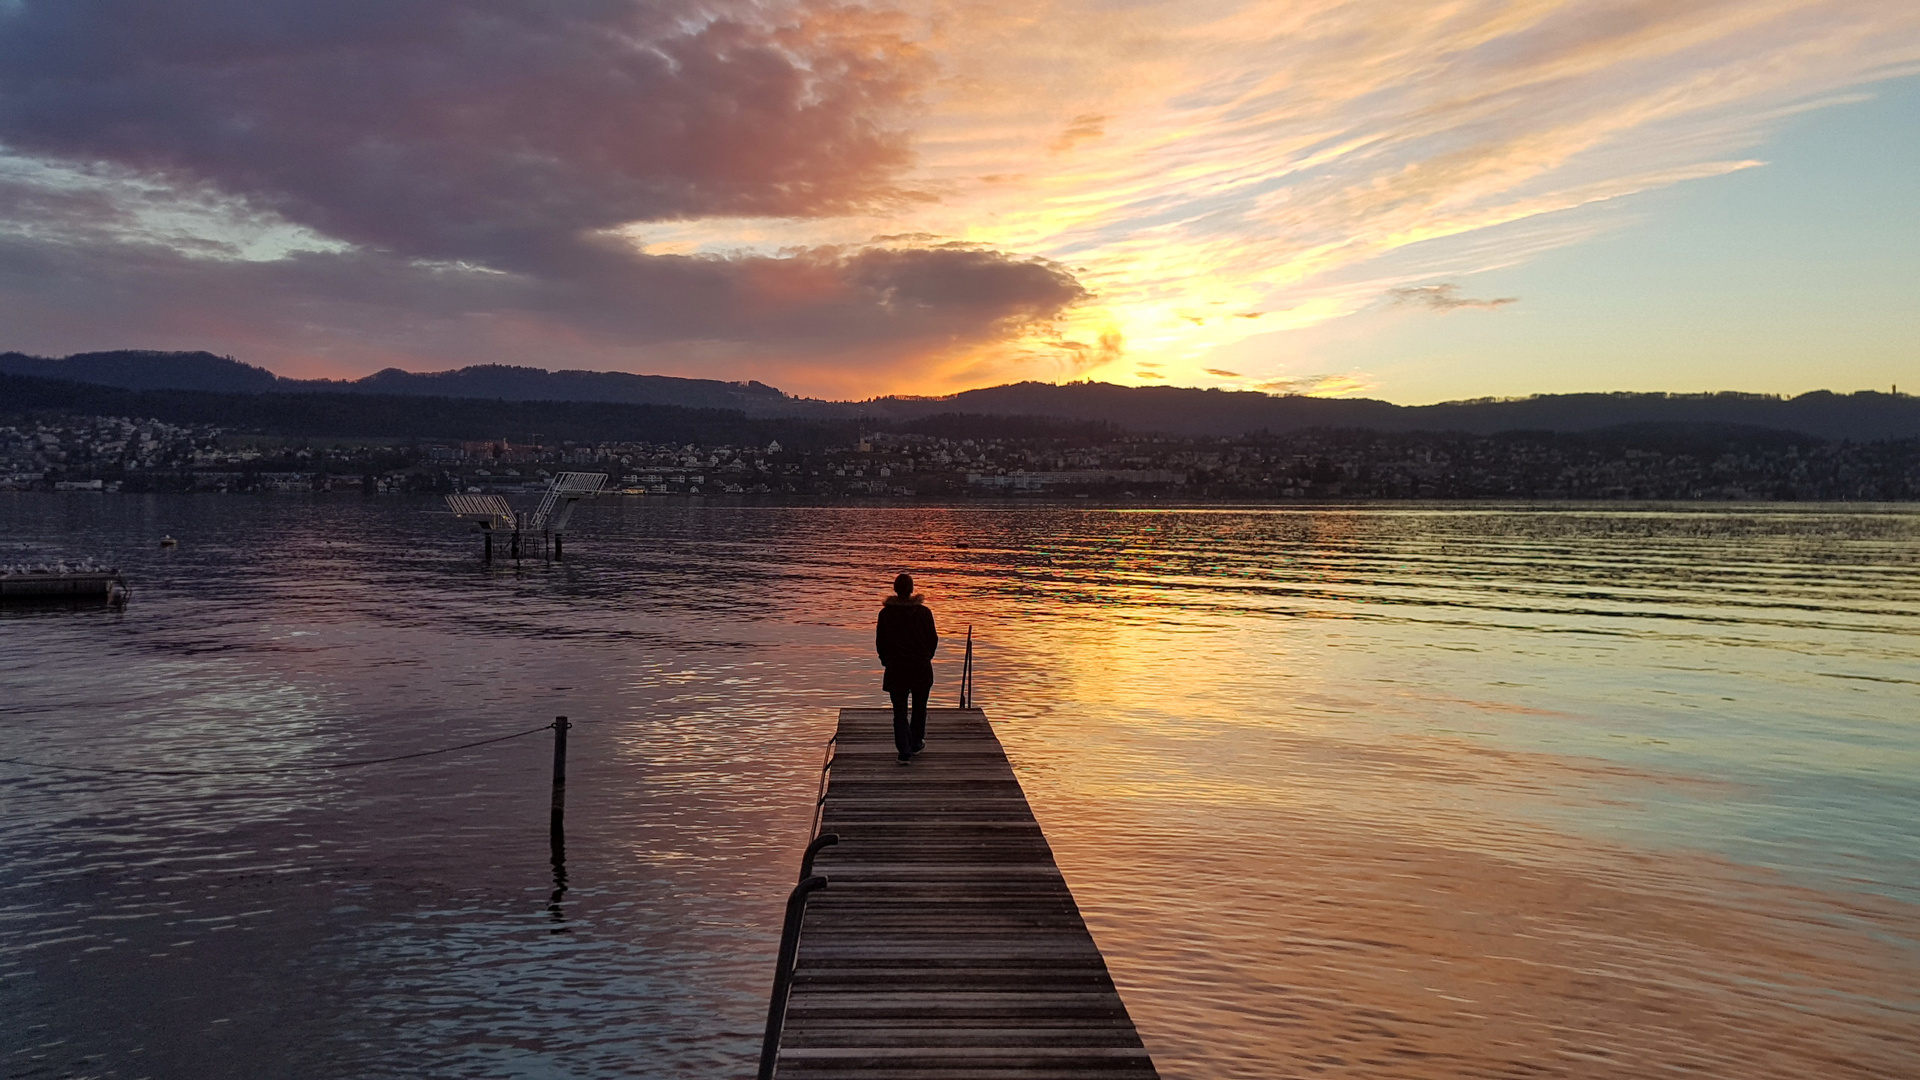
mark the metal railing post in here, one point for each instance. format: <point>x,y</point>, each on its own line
<point>783,972</point>
<point>824,840</point>
<point>820,801</point>
<point>966,673</point>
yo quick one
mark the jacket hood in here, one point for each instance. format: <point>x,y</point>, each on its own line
<point>897,599</point>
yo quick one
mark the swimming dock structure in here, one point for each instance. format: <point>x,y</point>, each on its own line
<point>61,584</point>
<point>547,522</point>
<point>932,937</point>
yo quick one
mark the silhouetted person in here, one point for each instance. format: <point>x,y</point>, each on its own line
<point>906,639</point>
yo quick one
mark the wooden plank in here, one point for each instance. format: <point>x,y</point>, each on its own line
<point>947,945</point>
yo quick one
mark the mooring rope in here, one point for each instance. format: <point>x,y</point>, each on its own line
<point>274,768</point>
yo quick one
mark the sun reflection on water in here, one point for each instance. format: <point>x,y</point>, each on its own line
<point>1425,792</point>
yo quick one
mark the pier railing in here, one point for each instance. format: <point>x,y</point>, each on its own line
<point>966,673</point>
<point>789,952</point>
<point>820,796</point>
<point>810,883</point>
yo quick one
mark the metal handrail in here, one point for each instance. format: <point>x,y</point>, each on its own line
<point>824,840</point>
<point>783,972</point>
<point>966,673</point>
<point>820,797</point>
<point>568,486</point>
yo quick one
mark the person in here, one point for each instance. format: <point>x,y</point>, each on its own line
<point>906,639</point>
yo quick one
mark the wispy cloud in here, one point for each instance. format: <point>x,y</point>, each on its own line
<point>1293,160</point>
<point>1080,128</point>
<point>1065,187</point>
<point>1316,385</point>
<point>1443,298</point>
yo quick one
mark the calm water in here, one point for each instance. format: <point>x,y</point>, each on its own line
<point>1429,792</point>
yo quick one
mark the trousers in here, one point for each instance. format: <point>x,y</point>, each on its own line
<point>909,726</point>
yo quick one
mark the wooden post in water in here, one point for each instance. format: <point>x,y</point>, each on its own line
<point>557,555</point>
<point>557,820</point>
<point>487,554</point>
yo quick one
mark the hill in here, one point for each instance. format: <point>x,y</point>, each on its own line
<point>1194,412</point>
<point>312,414</point>
<point>146,370</point>
<point>140,369</point>
<point>1173,410</point>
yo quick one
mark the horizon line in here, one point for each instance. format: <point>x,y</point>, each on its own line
<point>1893,391</point>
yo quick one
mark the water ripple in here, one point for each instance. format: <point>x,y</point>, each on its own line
<point>1424,792</point>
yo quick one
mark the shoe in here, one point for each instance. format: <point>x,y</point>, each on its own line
<point>905,758</point>
<point>919,746</point>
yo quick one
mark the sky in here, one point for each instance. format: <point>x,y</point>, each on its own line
<point>1412,201</point>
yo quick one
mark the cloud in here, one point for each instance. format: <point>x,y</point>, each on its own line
<point>988,287</point>
<point>482,130</point>
<point>1223,373</point>
<point>1315,385</point>
<point>1445,297</point>
<point>431,181</point>
<point>1274,154</point>
<point>842,317</point>
<point>1297,158</point>
<point>1080,128</point>
<point>696,185</point>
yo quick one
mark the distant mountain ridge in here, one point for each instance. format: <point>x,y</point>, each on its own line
<point>1190,411</point>
<point>134,369</point>
<point>538,384</point>
<point>1864,415</point>
<point>140,369</point>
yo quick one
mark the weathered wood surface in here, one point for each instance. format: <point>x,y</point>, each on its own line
<point>947,946</point>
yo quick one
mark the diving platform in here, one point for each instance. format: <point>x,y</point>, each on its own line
<point>59,584</point>
<point>943,943</point>
<point>548,522</point>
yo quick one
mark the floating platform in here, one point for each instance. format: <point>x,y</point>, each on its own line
<point>945,945</point>
<point>40,585</point>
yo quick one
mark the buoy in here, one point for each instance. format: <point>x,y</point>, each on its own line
<point>168,541</point>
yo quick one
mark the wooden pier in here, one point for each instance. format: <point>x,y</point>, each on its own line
<point>945,945</point>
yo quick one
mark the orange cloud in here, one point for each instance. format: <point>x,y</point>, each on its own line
<point>1082,127</point>
<point>852,199</point>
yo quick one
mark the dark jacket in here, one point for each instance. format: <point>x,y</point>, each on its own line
<point>906,640</point>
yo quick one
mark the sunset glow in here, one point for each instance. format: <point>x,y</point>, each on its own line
<point>912,198</point>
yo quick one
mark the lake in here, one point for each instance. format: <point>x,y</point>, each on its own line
<point>1425,791</point>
